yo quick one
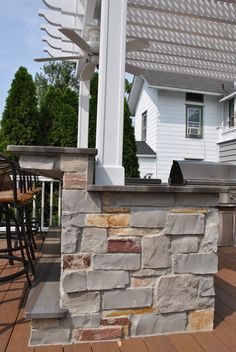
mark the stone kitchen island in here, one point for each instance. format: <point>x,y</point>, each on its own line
<point>135,260</point>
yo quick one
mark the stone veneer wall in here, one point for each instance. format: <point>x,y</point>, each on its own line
<point>134,263</point>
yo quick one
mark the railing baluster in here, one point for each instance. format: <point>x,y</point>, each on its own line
<point>59,203</point>
<point>42,204</point>
<point>51,203</point>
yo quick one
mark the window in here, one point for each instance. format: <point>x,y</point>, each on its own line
<point>231,113</point>
<point>194,121</point>
<point>195,97</point>
<point>144,127</point>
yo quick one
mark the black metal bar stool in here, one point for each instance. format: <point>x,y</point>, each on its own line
<point>13,202</point>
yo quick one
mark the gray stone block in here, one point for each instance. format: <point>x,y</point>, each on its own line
<point>206,302</point>
<point>86,320</point>
<point>148,218</point>
<point>106,280</point>
<point>210,240</point>
<point>49,336</point>
<point>81,303</point>
<point>156,252</point>
<point>128,261</point>
<point>185,245</point>
<point>77,201</point>
<point>69,242</point>
<point>94,240</point>
<point>196,200</point>
<point>151,272</point>
<point>195,263</point>
<point>206,286</point>
<point>185,224</point>
<point>139,199</point>
<point>73,220</point>
<point>130,298</point>
<point>177,293</point>
<point>73,281</point>
<point>150,324</point>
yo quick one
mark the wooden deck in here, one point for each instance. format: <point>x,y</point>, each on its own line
<point>14,329</point>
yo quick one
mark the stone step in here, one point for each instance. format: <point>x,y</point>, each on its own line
<point>44,298</point>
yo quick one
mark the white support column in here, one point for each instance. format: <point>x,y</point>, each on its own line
<point>83,115</point>
<point>109,139</point>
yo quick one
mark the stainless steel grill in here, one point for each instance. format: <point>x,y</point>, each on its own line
<point>202,173</point>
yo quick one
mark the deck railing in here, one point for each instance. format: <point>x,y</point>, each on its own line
<point>49,203</point>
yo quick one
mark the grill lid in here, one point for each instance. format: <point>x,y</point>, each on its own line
<point>187,172</point>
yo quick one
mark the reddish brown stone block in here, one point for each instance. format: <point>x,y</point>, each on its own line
<point>74,180</point>
<point>104,333</point>
<point>76,261</point>
<point>124,246</point>
<point>116,321</point>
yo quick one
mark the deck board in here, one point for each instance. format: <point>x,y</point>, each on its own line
<point>210,342</point>
<point>16,329</point>
<point>105,347</point>
<point>180,341</point>
<point>83,347</point>
<point>133,345</point>
<point>159,344</point>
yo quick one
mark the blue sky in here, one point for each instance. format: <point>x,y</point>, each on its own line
<point>20,41</point>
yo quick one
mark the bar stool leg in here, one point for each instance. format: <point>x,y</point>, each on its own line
<point>28,244</point>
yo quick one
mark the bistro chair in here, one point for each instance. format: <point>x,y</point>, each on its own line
<point>15,217</point>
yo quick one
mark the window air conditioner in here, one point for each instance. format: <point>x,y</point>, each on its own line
<point>194,131</point>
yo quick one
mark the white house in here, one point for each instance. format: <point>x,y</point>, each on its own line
<point>178,117</point>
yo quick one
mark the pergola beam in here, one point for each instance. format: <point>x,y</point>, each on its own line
<point>219,12</point>
<point>185,39</point>
<point>180,24</point>
<point>187,70</point>
<point>174,60</point>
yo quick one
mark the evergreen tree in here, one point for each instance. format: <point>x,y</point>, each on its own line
<point>56,74</point>
<point>130,161</point>
<point>58,117</point>
<point>93,110</point>
<point>20,120</point>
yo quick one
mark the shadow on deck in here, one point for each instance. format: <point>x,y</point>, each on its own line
<point>15,329</point>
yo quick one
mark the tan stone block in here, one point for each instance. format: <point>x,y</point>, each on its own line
<point>189,211</point>
<point>113,210</point>
<point>105,220</point>
<point>125,330</point>
<point>143,282</point>
<point>128,231</point>
<point>116,321</point>
<point>74,180</point>
<point>74,163</point>
<point>127,312</point>
<point>201,320</point>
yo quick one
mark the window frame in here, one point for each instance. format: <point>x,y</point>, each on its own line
<point>231,113</point>
<point>144,126</point>
<point>188,135</point>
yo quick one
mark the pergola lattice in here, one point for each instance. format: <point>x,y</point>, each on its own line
<point>190,37</point>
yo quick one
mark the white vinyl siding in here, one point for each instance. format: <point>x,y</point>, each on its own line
<point>147,102</point>
<point>147,165</point>
<point>166,128</point>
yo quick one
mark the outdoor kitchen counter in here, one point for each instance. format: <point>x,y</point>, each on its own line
<point>135,259</point>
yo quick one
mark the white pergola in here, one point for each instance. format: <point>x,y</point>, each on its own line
<point>193,37</point>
